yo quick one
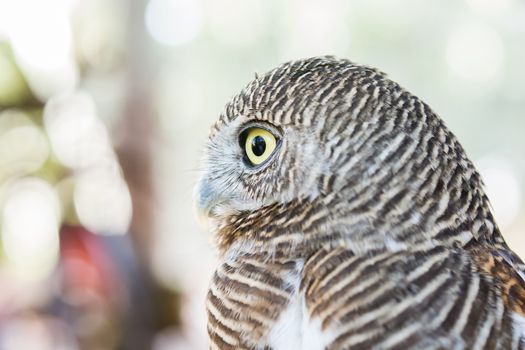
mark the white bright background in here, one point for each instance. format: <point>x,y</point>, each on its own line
<point>464,58</point>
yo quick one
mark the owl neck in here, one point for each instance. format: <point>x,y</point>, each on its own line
<point>446,207</point>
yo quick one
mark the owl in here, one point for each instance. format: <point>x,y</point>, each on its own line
<point>347,216</point>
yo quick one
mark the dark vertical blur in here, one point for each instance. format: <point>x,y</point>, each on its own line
<point>135,133</point>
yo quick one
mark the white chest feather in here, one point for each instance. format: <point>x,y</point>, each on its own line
<point>519,328</point>
<point>287,332</point>
<point>295,330</point>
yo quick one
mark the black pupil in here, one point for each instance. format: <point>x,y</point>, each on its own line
<point>258,146</point>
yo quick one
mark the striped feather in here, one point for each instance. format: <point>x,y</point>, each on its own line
<point>369,227</point>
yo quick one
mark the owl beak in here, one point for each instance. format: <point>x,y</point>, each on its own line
<point>205,200</point>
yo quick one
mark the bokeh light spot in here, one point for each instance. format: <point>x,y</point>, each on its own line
<point>102,201</point>
<point>475,52</point>
<point>40,34</point>
<point>173,22</point>
<point>30,220</point>
<point>79,139</point>
<point>490,7</point>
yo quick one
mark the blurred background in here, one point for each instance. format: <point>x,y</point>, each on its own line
<point>105,106</point>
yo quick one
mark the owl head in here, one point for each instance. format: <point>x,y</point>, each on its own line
<point>324,150</point>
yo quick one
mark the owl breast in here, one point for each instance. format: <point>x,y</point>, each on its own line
<point>334,299</point>
<point>255,303</point>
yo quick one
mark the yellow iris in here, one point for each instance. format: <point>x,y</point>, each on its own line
<point>260,144</point>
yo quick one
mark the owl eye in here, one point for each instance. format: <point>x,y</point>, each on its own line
<point>259,145</point>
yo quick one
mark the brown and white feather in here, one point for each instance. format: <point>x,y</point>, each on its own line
<point>368,228</point>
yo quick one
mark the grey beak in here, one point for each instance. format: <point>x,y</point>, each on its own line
<point>205,198</point>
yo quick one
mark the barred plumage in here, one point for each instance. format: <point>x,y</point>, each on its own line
<point>366,227</point>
